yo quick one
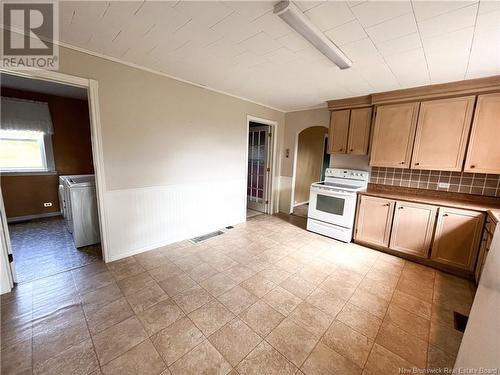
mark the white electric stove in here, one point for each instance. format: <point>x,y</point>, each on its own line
<point>332,203</point>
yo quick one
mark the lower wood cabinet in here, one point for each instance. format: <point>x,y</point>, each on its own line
<point>412,228</point>
<point>457,237</point>
<point>374,222</point>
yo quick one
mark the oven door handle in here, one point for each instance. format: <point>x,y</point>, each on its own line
<point>331,193</point>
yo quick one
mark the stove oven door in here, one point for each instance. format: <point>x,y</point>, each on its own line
<point>332,207</point>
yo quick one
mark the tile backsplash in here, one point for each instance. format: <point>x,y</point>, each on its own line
<point>459,182</point>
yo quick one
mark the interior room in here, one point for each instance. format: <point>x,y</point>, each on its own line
<point>250,187</point>
<point>45,139</point>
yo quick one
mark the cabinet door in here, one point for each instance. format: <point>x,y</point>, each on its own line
<point>393,135</point>
<point>457,237</point>
<point>374,220</point>
<point>337,134</point>
<point>412,228</point>
<point>359,131</point>
<point>483,155</point>
<point>442,131</point>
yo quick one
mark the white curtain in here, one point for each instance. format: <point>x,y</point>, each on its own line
<point>27,115</point>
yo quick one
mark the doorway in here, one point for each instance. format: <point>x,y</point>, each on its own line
<point>43,234</point>
<point>311,161</point>
<point>260,166</point>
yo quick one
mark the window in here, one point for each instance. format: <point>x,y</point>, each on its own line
<point>25,151</point>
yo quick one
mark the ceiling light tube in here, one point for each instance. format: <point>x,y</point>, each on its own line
<point>294,17</point>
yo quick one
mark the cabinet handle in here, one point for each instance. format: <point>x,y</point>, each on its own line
<point>400,207</point>
<point>402,162</point>
<point>417,163</point>
<point>386,205</point>
<point>472,166</point>
<point>341,149</point>
<point>445,215</point>
<point>351,150</point>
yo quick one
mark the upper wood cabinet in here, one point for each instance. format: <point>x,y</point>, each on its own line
<point>373,224</point>
<point>393,135</point>
<point>338,132</point>
<point>457,237</point>
<point>349,131</point>
<point>442,131</point>
<point>359,131</point>
<point>483,155</point>
<point>412,228</point>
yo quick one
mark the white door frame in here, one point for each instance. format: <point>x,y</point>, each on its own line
<point>270,182</point>
<point>95,133</point>
<point>294,169</point>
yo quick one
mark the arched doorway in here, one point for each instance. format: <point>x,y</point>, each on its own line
<point>311,160</point>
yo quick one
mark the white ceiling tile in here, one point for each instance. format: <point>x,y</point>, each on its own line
<point>402,44</point>
<point>118,14</point>
<point>294,42</point>
<point>373,12</point>
<point>410,68</point>
<point>346,33</point>
<point>455,20</point>
<point>272,25</point>
<point>429,9</point>
<point>447,65</point>
<point>457,40</point>
<point>250,10</point>
<point>330,14</point>
<point>260,44</point>
<point>380,77</point>
<point>282,55</point>
<point>490,20</point>
<point>206,13</point>
<point>306,5</point>
<point>486,6</point>
<point>393,28</point>
<point>361,51</point>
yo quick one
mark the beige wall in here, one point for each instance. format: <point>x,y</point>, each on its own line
<point>167,176</point>
<point>310,151</point>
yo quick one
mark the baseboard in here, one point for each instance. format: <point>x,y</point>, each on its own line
<point>18,219</point>
<point>300,204</point>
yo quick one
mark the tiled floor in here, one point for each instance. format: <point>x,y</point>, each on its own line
<point>252,213</point>
<point>44,247</point>
<point>301,210</point>
<point>267,297</point>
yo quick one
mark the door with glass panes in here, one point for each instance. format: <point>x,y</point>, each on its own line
<point>258,168</point>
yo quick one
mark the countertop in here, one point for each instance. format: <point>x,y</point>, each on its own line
<point>490,205</point>
<point>480,346</point>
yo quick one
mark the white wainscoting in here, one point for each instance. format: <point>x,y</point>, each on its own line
<point>147,218</point>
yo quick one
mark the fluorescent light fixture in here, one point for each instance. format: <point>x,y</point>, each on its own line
<point>294,17</point>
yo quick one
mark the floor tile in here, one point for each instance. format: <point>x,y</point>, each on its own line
<point>17,359</point>
<point>108,315</point>
<point>141,359</point>
<point>146,298</point>
<point>298,286</point>
<point>261,317</point>
<point>100,297</point>
<point>383,361</point>
<point>408,347</point>
<point>293,341</point>
<point>237,299</point>
<point>348,342</point>
<point>204,359</point>
<point>311,318</point>
<point>188,262</point>
<point>324,360</point>
<point>152,259</point>
<point>218,284</point>
<point>282,300</point>
<point>192,298</point>
<point>381,290</point>
<point>202,272</point>
<point>445,338</point>
<point>134,284</point>
<point>360,320</point>
<point>234,341</point>
<point>412,304</point>
<point>176,284</point>
<point>210,317</point>
<point>258,285</point>
<point>439,360</point>
<point>275,274</point>
<point>369,302</point>
<point>415,288</point>
<point>178,339</point>
<point>118,339</point>
<point>411,323</point>
<point>92,283</point>
<point>160,316</point>
<point>264,359</point>
<point>164,271</point>
<point>78,359</point>
<point>327,302</point>
<point>239,273</point>
<point>121,269</point>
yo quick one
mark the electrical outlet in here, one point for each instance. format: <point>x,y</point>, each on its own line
<point>47,204</point>
<point>443,185</point>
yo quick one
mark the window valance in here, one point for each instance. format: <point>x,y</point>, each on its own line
<point>27,115</point>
